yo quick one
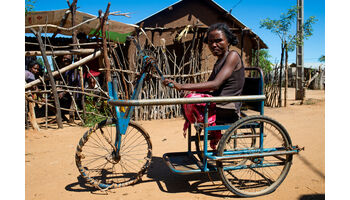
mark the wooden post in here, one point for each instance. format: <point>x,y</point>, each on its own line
<point>104,43</point>
<point>286,78</point>
<point>52,80</point>
<point>320,79</point>
<point>61,52</point>
<point>280,77</point>
<point>26,114</point>
<point>62,23</point>
<point>32,117</point>
<point>242,44</point>
<point>257,52</point>
<point>73,9</point>
<point>82,89</point>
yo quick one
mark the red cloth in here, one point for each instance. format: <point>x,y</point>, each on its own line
<point>93,68</point>
<point>194,113</point>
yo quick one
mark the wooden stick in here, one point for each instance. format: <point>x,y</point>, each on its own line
<point>73,9</point>
<point>31,114</point>
<point>26,114</point>
<point>72,91</point>
<point>82,90</point>
<point>59,27</point>
<point>286,78</point>
<point>62,23</point>
<point>122,74</point>
<point>51,46</point>
<point>46,107</point>
<point>61,53</point>
<point>52,81</point>
<point>104,44</point>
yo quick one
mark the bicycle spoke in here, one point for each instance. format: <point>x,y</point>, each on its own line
<point>259,175</point>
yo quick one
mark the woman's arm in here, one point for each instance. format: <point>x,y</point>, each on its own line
<point>232,63</point>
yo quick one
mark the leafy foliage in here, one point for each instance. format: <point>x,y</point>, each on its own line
<point>282,28</point>
<point>289,39</point>
<point>40,61</point>
<point>29,6</point>
<point>97,110</point>
<point>264,62</point>
<point>322,59</point>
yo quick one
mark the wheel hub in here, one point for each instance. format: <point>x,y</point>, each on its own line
<point>114,158</point>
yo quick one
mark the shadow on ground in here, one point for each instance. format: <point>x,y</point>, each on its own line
<point>80,186</point>
<point>311,166</point>
<point>204,183</point>
<point>313,197</point>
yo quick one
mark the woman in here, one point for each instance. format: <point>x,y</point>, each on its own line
<point>227,77</point>
<point>32,72</point>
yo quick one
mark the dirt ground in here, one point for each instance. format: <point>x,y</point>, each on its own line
<point>50,171</point>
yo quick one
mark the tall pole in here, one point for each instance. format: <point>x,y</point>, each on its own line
<point>103,22</point>
<point>299,89</point>
<point>73,8</point>
<point>52,80</point>
<point>280,78</point>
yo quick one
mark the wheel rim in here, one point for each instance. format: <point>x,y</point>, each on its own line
<point>255,180</point>
<point>102,167</point>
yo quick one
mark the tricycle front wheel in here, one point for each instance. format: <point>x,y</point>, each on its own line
<point>102,167</point>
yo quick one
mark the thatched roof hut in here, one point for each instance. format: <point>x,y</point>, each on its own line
<point>197,16</point>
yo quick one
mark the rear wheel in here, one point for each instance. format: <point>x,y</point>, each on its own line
<point>102,167</point>
<point>255,176</point>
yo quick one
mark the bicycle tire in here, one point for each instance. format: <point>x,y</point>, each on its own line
<point>250,181</point>
<point>101,167</point>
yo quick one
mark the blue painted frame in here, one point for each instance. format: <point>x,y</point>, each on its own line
<point>123,118</point>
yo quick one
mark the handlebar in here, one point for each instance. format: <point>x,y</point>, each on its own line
<point>172,101</point>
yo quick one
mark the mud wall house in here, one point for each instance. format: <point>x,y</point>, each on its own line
<point>317,82</point>
<point>196,15</point>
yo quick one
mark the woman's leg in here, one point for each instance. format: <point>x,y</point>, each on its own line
<point>223,116</point>
<point>226,116</point>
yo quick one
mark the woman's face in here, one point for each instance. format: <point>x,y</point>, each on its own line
<point>217,43</point>
<point>35,69</point>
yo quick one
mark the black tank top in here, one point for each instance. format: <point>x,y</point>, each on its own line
<point>232,86</point>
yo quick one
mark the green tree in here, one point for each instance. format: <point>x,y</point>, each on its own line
<point>29,6</point>
<point>289,38</point>
<point>264,62</point>
<point>40,61</point>
<point>322,59</point>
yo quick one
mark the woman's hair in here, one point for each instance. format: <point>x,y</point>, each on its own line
<point>231,38</point>
<point>32,63</point>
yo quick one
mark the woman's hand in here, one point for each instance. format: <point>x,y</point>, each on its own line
<point>177,86</point>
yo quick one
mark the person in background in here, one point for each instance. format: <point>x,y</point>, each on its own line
<point>64,97</point>
<point>32,72</point>
<point>91,68</point>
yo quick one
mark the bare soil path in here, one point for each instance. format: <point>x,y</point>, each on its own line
<point>50,171</point>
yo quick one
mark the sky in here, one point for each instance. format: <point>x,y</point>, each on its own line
<point>249,12</point>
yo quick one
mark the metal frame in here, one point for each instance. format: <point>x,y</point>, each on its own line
<point>124,115</point>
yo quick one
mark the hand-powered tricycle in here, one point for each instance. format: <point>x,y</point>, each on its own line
<point>253,156</point>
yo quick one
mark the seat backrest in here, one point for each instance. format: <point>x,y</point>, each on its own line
<point>253,85</point>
